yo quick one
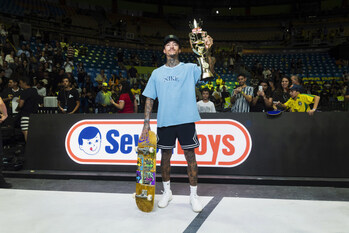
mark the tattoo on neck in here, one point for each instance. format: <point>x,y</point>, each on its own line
<point>172,62</point>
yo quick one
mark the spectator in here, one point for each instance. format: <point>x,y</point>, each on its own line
<point>3,34</point>
<point>266,73</point>
<point>23,51</point>
<point>127,102</point>
<point>300,102</point>
<point>28,104</point>
<point>282,94</point>
<point>198,94</point>
<point>114,81</point>
<point>70,53</point>
<point>8,71</point>
<point>205,105</point>
<point>136,91</point>
<point>133,74</point>
<point>3,116</point>
<point>11,93</point>
<point>262,100</point>
<point>2,58</point>
<point>87,86</point>
<point>10,57</point>
<point>43,57</point>
<point>219,81</point>
<point>216,98</point>
<point>346,96</point>
<point>2,79</point>
<point>81,73</point>
<point>101,77</point>
<point>103,99</point>
<point>271,84</point>
<point>296,80</point>
<point>226,99</point>
<point>40,88</point>
<point>68,66</point>
<point>68,98</point>
<point>242,96</point>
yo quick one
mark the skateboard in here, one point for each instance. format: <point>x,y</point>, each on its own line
<point>146,172</point>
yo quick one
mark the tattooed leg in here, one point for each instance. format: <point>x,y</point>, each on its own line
<point>192,168</point>
<point>165,164</point>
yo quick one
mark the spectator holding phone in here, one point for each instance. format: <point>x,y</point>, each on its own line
<point>242,96</point>
<point>262,100</point>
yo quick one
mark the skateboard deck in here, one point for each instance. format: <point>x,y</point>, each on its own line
<point>146,172</point>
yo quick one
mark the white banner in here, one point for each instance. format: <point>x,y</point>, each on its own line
<point>223,143</point>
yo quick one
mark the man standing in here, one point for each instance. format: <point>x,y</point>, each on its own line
<point>3,111</point>
<point>68,98</point>
<point>174,86</point>
<point>103,99</point>
<point>28,104</point>
<point>242,96</point>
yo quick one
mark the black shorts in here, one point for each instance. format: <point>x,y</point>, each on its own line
<point>185,133</point>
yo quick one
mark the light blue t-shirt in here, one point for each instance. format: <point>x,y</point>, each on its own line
<point>175,89</point>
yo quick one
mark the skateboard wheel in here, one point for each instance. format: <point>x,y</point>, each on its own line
<point>151,149</point>
<point>149,197</point>
<point>134,195</point>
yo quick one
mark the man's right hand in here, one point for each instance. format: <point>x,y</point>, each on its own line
<point>145,131</point>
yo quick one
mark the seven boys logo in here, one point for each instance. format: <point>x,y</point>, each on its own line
<point>223,143</point>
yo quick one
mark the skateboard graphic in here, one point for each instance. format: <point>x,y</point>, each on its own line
<point>146,172</point>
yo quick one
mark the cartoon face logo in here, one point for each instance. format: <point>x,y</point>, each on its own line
<point>90,140</point>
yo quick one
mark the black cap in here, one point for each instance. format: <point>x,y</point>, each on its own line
<point>171,38</point>
<point>295,87</point>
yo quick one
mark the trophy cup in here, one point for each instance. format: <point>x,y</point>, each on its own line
<point>197,42</point>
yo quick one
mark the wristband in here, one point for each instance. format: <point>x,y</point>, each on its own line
<point>146,120</point>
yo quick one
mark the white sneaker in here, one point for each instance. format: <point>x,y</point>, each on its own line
<point>165,199</point>
<point>195,203</point>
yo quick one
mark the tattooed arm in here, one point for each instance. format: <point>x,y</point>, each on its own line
<point>148,108</point>
<point>211,60</point>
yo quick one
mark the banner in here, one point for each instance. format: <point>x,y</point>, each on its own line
<point>223,143</point>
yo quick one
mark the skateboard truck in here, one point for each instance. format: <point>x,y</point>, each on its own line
<point>145,150</point>
<point>145,195</point>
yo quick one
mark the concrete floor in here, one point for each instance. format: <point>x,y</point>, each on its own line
<point>44,205</point>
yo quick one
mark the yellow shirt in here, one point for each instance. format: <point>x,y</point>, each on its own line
<point>137,91</point>
<point>301,104</point>
<point>219,81</point>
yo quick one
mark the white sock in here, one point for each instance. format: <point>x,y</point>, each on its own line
<point>167,186</point>
<point>193,190</point>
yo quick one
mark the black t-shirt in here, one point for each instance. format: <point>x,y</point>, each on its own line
<point>280,95</point>
<point>31,101</point>
<point>68,99</point>
<point>260,105</point>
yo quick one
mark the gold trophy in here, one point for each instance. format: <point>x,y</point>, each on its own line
<point>197,41</point>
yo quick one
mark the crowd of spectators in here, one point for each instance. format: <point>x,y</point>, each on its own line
<point>47,67</point>
<point>262,95</point>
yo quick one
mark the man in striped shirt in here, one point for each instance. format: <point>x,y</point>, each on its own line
<point>242,96</point>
